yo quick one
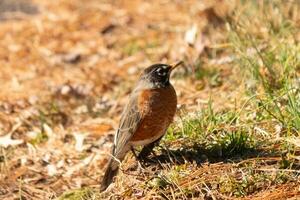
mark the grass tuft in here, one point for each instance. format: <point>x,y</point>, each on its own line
<point>79,194</point>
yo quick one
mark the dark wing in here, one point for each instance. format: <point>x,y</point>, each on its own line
<point>128,124</point>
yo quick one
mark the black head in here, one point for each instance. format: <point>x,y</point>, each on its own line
<point>159,74</point>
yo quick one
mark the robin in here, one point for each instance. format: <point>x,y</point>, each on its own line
<point>146,117</point>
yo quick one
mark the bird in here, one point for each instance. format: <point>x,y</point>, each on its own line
<point>145,118</point>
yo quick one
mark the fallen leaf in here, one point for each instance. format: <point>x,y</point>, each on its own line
<point>51,169</point>
<point>6,141</point>
<point>47,130</point>
<point>191,35</point>
<point>71,170</point>
<point>79,139</point>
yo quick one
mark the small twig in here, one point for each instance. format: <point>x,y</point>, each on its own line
<point>14,128</point>
<point>88,176</point>
<point>278,170</point>
<point>131,174</point>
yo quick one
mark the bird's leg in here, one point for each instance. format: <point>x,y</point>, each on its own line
<point>133,152</point>
<point>140,165</point>
<point>147,149</point>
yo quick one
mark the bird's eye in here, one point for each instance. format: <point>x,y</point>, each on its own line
<point>161,72</point>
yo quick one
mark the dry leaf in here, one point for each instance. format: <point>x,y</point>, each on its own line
<point>6,141</point>
<point>51,170</point>
<point>79,139</point>
<point>47,130</point>
<point>191,35</point>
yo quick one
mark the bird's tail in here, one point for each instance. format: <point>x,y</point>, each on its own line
<point>110,173</point>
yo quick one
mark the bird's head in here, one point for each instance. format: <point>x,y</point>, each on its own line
<point>158,75</point>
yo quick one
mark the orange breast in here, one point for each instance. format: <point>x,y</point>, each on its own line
<point>157,108</point>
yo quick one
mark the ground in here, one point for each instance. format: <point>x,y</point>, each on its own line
<point>67,68</point>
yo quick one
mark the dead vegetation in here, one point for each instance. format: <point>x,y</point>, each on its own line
<point>67,67</point>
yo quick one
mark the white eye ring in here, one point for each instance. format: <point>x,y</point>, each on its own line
<point>161,73</point>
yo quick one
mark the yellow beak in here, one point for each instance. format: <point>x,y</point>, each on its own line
<point>176,65</point>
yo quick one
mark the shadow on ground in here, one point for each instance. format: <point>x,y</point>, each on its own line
<point>198,154</point>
